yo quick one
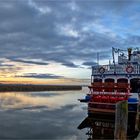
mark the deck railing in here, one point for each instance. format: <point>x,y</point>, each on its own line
<point>118,69</point>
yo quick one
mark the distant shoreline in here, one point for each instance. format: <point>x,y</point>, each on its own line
<point>22,87</point>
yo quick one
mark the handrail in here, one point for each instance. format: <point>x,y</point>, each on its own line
<point>119,69</point>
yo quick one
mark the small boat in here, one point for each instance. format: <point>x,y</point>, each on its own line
<point>114,97</point>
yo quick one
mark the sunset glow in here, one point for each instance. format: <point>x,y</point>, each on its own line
<point>57,42</point>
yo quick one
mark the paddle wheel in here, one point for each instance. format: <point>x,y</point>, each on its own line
<point>113,100</point>
<point>109,92</point>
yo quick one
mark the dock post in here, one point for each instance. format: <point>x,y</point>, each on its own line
<point>121,118</point>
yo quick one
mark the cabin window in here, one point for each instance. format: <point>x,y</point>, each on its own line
<point>98,80</point>
<point>110,80</point>
<point>135,85</point>
<point>109,85</point>
<point>121,83</point>
<point>122,80</point>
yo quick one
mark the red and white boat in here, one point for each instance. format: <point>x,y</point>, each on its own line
<point>110,84</point>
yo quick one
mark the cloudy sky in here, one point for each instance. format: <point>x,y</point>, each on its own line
<point>56,41</point>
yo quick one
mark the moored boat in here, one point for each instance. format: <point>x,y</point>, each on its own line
<point>110,85</point>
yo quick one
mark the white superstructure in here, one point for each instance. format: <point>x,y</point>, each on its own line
<point>126,68</point>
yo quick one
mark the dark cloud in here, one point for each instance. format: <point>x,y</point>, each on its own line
<point>70,64</point>
<point>66,31</point>
<point>40,76</point>
<point>41,33</point>
<point>29,62</point>
<point>89,63</point>
<point>12,69</point>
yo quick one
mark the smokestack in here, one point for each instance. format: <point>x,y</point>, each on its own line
<point>129,53</point>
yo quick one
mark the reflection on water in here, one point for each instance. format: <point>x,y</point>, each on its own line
<point>42,115</point>
<point>98,128</point>
<point>49,100</point>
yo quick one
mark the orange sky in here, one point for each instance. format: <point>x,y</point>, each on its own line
<point>54,73</point>
<point>47,81</point>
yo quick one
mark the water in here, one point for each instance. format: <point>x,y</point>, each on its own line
<point>52,115</point>
<point>46,115</point>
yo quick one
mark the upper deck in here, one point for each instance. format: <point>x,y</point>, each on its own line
<point>119,69</point>
<point>127,64</point>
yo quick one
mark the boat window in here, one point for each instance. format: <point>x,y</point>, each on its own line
<point>135,85</point>
<point>121,83</point>
<point>109,84</point>
<point>109,80</point>
<point>97,80</point>
<point>122,80</point>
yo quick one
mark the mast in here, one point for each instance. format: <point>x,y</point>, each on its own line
<point>98,58</point>
<point>114,60</point>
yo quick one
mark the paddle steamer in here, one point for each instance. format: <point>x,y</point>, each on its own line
<point>110,84</point>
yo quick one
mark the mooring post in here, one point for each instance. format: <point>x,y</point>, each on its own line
<point>121,118</point>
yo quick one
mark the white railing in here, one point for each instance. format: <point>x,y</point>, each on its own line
<point>118,69</point>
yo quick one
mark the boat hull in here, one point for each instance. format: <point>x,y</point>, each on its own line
<point>103,125</point>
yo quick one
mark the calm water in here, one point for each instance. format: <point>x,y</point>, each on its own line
<point>42,115</point>
<point>46,115</point>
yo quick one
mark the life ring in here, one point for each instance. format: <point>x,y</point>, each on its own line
<point>101,70</point>
<point>129,69</point>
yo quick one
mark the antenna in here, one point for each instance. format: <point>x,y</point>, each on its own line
<point>113,49</point>
<point>98,58</point>
<point>109,62</point>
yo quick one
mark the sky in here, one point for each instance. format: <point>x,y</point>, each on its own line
<point>57,41</point>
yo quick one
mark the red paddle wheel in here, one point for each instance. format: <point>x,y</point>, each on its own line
<point>109,92</point>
